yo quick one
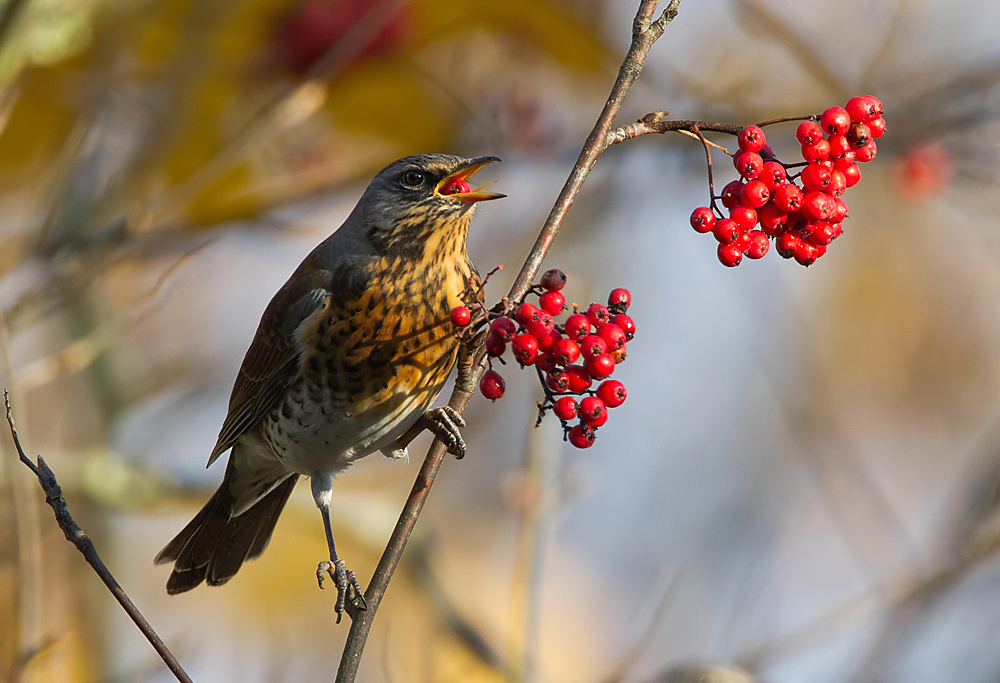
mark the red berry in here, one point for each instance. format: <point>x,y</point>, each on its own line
<point>547,341</point>
<point>593,346</point>
<point>612,392</point>
<point>823,233</point>
<point>553,280</point>
<point>754,194</point>
<point>788,198</point>
<point>612,335</point>
<point>726,231</point>
<point>460,316</point>
<point>620,299</point>
<point>817,151</point>
<point>455,186</point>
<point>751,139</point>
<point>566,408</point>
<point>731,194</point>
<point>525,348</point>
<point>838,183</point>
<point>835,121</point>
<point>541,325</point>
<point>492,385</point>
<point>759,244</point>
<point>868,152</point>
<point>504,328</point>
<point>805,253</point>
<point>702,219</point>
<point>773,175</point>
<point>566,351</point>
<point>852,174</point>
<point>786,244</point>
<point>877,127</point>
<point>557,381</point>
<point>625,324</point>
<point>818,206</point>
<point>772,219</point>
<point>730,255</point>
<point>598,314</point>
<point>841,211</point>
<point>546,362</point>
<point>577,326</point>
<point>526,313</point>
<point>808,133</point>
<point>579,379</point>
<point>839,144</point>
<point>592,410</point>
<point>748,164</point>
<point>864,108</point>
<point>495,346</point>
<point>815,177</point>
<point>744,217</point>
<point>580,437</point>
<point>601,366</point>
<point>553,302</point>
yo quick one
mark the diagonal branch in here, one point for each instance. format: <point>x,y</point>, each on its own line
<point>75,535</point>
<point>645,31</point>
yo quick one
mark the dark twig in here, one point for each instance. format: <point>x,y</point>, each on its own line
<point>75,535</point>
<point>645,31</point>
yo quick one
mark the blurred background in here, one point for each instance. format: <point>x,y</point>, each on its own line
<point>802,485</point>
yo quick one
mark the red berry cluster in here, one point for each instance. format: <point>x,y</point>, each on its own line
<point>568,357</point>
<point>805,217</point>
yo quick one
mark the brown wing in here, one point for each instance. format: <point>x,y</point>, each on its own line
<point>272,361</point>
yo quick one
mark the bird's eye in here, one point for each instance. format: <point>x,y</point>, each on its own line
<point>413,178</point>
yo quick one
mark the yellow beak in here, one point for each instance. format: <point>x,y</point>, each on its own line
<point>463,174</point>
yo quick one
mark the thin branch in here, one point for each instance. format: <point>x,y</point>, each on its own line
<point>645,31</point>
<point>75,535</point>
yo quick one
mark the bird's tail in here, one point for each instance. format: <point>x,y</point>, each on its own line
<point>215,544</point>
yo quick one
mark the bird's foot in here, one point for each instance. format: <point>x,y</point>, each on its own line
<point>445,423</point>
<point>349,595</point>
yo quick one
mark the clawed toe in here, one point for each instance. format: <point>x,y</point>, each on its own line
<point>349,595</point>
<point>445,423</point>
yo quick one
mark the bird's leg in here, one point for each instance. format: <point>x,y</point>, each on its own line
<point>349,593</point>
<point>443,422</point>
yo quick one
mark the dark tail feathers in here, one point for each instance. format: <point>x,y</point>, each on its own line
<point>214,546</point>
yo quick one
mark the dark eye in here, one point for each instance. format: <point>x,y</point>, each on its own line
<point>413,178</point>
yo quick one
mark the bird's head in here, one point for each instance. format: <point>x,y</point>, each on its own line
<point>422,199</point>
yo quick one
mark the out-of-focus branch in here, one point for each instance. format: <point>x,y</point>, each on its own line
<point>75,535</point>
<point>645,30</point>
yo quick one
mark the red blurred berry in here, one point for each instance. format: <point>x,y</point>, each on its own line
<point>492,385</point>
<point>748,164</point>
<point>877,127</point>
<point>526,313</point>
<point>786,244</point>
<point>745,218</point>
<point>557,381</point>
<point>548,340</point>
<point>823,233</point>
<point>772,219</point>
<point>839,144</point>
<point>541,325</point>
<point>592,410</point>
<point>612,392</point>
<point>553,280</point>
<point>598,314</point>
<point>805,253</point>
<point>815,177</point>
<point>625,324</point>
<point>601,366</point>
<point>619,300</point>
<point>455,186</point>
<point>730,255</point>
<point>504,328</point>
<point>750,139</point>
<point>726,231</point>
<point>525,348</point>
<point>859,134</point>
<point>553,302</point>
<point>495,346</point>
<point>818,206</point>
<point>579,379</point>
<point>817,151</point>
<point>460,316</point>
<point>868,152</point>
<point>838,183</point>
<point>773,175</point>
<point>864,108</point>
<point>808,133</point>
<point>612,335</point>
<point>566,351</point>
<point>788,198</point>
<point>702,219</point>
<point>852,174</point>
<point>841,211</point>
<point>546,362</point>
<point>731,194</point>
<point>577,326</point>
<point>580,437</point>
<point>835,121</point>
<point>759,244</point>
<point>566,408</point>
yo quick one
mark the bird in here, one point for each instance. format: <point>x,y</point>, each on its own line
<point>347,358</point>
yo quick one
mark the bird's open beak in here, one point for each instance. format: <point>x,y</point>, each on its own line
<point>461,177</point>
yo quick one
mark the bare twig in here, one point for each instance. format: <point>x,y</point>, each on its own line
<point>645,31</point>
<point>75,535</point>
